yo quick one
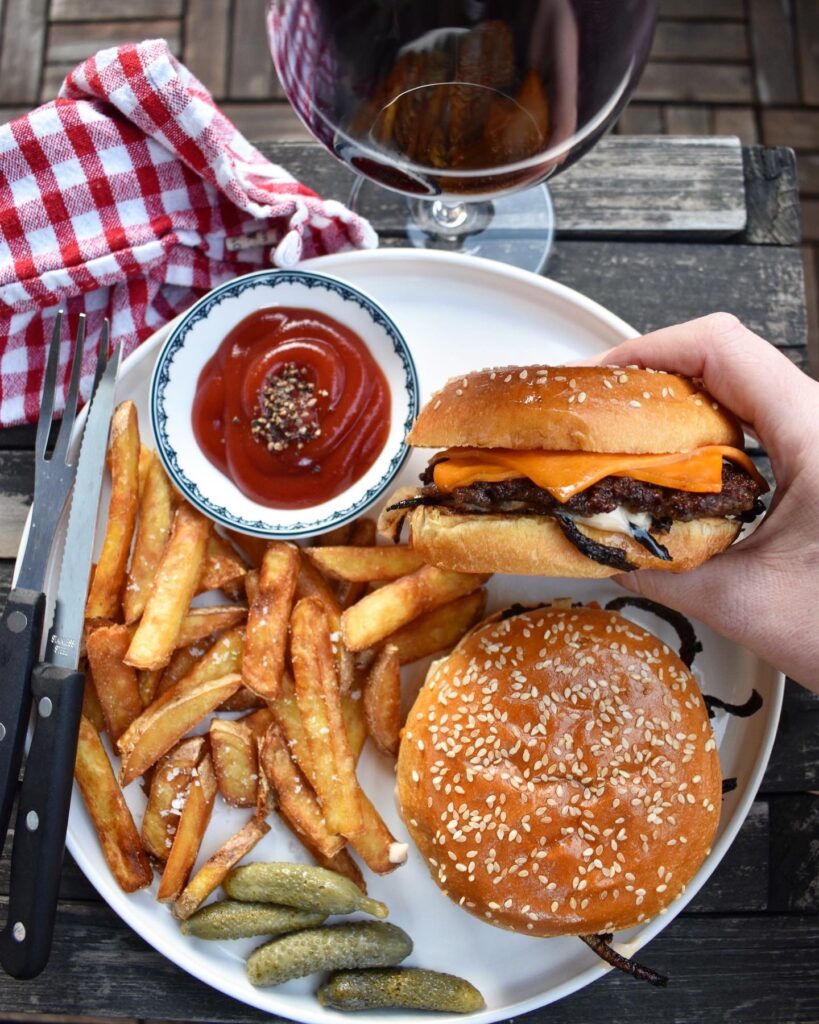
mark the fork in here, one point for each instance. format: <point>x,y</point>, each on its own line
<point>22,621</point>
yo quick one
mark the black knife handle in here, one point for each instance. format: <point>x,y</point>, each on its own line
<point>42,816</point>
<point>20,630</point>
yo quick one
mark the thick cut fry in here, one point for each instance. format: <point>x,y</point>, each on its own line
<point>174,586</point>
<point>258,721</point>
<point>361,565</point>
<point>189,833</point>
<point>223,567</point>
<point>212,873</point>
<point>382,700</point>
<point>105,596</point>
<point>319,702</point>
<point>286,712</point>
<point>376,845</point>
<point>266,799</point>
<point>149,680</point>
<point>172,715</point>
<point>146,458</point>
<point>439,629</point>
<point>243,700</point>
<point>169,788</point>
<point>116,683</point>
<point>251,582</point>
<point>109,812</point>
<point>235,761</point>
<point>251,548</point>
<point>156,509</point>
<point>297,801</point>
<point>311,583</point>
<point>394,605</point>
<point>182,661</point>
<point>220,659</point>
<point>342,863</point>
<point>266,634</point>
<point>362,536</point>
<point>201,623</point>
<point>352,707</point>
<point>90,703</point>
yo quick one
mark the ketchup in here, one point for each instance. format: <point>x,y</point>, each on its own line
<point>292,407</point>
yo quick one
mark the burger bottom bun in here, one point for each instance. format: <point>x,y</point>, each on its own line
<point>536,545</point>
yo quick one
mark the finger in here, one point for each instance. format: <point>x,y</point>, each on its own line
<point>743,371</point>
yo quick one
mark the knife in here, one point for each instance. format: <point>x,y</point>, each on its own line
<point>57,690</point>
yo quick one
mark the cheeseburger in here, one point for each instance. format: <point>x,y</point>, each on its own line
<point>558,773</point>
<point>576,471</point>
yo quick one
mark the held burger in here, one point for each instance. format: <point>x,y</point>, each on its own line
<point>559,774</point>
<point>576,471</point>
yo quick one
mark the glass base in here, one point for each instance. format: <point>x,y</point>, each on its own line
<point>517,228</point>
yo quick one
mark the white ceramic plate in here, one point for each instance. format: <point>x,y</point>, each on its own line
<point>457,314</point>
<point>196,337</point>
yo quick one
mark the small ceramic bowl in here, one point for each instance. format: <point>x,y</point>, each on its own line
<point>195,339</point>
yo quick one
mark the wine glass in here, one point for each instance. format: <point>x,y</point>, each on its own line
<point>455,112</point>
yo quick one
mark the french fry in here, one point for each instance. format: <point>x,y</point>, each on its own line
<point>252,548</point>
<point>172,715</point>
<point>109,812</point>
<point>146,457</point>
<point>376,845</point>
<point>213,872</point>
<point>286,712</point>
<point>362,565</point>
<point>166,798</point>
<point>258,721</point>
<point>439,629</point>
<point>243,700</point>
<point>201,623</point>
<point>220,659</point>
<point>266,799</point>
<point>251,582</point>
<point>116,683</point>
<point>105,595</point>
<point>311,583</point>
<point>90,702</point>
<point>174,585</point>
<point>149,680</point>
<point>352,707</point>
<point>182,661</point>
<point>342,863</point>
<point>297,801</point>
<point>266,633</point>
<point>382,700</point>
<point>190,831</point>
<point>362,535</point>
<point>156,508</point>
<point>383,611</point>
<point>235,761</point>
<point>319,703</point>
<point>223,567</point>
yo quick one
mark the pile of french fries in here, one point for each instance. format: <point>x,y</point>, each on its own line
<point>264,699</point>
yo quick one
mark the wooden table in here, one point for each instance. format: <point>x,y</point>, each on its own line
<point>659,231</point>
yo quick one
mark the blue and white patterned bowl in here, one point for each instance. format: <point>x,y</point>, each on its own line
<point>195,339</point>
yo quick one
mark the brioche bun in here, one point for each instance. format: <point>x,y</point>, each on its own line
<point>536,546</point>
<point>574,408</point>
<point>558,773</point>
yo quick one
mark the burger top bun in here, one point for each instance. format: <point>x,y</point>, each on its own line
<point>559,774</point>
<point>574,408</point>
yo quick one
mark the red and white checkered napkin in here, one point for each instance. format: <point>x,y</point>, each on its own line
<point>118,199</point>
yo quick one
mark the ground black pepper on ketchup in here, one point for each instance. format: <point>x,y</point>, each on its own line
<point>292,407</point>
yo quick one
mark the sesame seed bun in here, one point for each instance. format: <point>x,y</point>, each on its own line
<point>574,408</point>
<point>558,773</point>
<point>536,546</point>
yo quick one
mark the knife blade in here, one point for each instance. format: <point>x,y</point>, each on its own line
<point>57,689</point>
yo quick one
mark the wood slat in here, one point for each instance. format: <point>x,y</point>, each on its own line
<point>702,9</point>
<point>251,66</point>
<point>638,185</point>
<point>683,120</point>
<point>807,35</point>
<point>696,82</point>
<point>267,121</point>
<point>798,127</point>
<point>75,41</point>
<point>774,51</point>
<point>795,852</point>
<point>21,50</point>
<point>772,197</point>
<point>113,10</point>
<point>764,964</point>
<point>53,78</point>
<point>641,119</point>
<point>699,40</point>
<point>17,476</point>
<point>794,763</point>
<point>739,121</point>
<point>207,35</point>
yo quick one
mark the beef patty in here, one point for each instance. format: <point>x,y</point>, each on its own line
<point>738,498</point>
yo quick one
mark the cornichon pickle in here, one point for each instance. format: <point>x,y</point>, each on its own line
<point>407,987</point>
<point>302,886</point>
<point>359,944</point>
<point>232,919</point>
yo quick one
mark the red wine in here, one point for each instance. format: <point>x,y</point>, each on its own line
<point>459,97</point>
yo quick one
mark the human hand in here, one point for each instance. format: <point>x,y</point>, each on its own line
<point>763,592</point>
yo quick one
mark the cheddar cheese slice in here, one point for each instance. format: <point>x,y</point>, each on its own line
<point>564,474</point>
